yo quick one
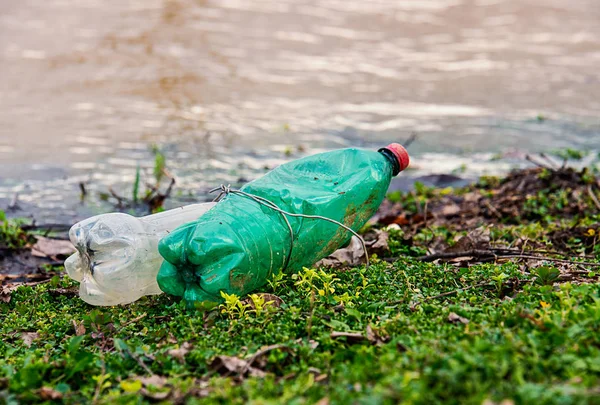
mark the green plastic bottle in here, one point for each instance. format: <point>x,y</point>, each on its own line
<point>237,245</point>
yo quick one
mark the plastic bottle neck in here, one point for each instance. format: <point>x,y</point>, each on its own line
<point>392,160</point>
<point>397,156</point>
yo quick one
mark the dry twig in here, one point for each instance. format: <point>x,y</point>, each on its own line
<point>480,254</point>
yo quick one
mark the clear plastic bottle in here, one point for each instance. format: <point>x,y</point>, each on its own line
<point>117,257</point>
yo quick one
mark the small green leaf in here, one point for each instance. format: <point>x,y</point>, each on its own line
<point>354,313</point>
<point>121,345</point>
<point>136,185</point>
<point>159,164</point>
<point>337,325</point>
<point>74,344</point>
<point>546,275</point>
<point>63,388</point>
<point>131,386</point>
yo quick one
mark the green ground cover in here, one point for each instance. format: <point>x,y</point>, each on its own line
<point>469,330</point>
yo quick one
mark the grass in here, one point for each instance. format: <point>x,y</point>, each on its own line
<point>402,331</point>
<point>151,198</point>
<point>523,341</point>
<point>11,235</point>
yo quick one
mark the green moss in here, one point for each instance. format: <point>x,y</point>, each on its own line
<point>486,182</point>
<point>539,344</point>
<point>570,154</point>
<point>12,235</point>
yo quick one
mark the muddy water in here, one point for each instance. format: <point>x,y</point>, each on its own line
<point>230,88</point>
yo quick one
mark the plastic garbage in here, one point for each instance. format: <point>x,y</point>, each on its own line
<point>117,257</point>
<point>239,244</point>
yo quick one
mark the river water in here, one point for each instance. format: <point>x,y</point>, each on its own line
<point>230,88</point>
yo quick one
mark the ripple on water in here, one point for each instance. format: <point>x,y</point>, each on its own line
<point>231,88</point>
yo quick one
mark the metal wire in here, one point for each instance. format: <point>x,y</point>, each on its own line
<point>225,190</point>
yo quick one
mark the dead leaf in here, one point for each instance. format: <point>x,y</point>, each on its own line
<point>401,219</point>
<point>5,292</point>
<point>477,239</point>
<point>450,209</point>
<point>200,389</point>
<point>462,261</point>
<point>387,213</point>
<point>377,336</point>
<point>154,380</point>
<point>472,197</point>
<point>47,247</point>
<point>79,328</point>
<point>371,335</point>
<point>227,365</point>
<point>3,382</point>
<point>29,337</point>
<point>380,242</point>
<point>349,256</point>
<point>354,253</point>
<point>437,245</point>
<point>181,352</point>
<point>454,318</point>
<point>19,275</point>
<point>48,394</point>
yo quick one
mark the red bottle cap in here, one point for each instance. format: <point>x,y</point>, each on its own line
<point>400,153</point>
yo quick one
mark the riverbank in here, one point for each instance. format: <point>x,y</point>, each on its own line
<point>480,294</point>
